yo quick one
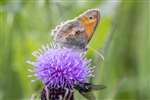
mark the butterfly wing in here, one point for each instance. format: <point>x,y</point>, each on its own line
<point>90,20</point>
<point>71,35</point>
<point>77,33</point>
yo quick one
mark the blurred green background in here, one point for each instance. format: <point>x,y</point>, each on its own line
<point>123,37</point>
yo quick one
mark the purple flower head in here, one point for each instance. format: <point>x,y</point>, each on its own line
<point>61,67</point>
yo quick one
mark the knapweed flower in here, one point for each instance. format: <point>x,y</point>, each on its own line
<point>61,67</point>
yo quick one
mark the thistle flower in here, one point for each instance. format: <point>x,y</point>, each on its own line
<point>60,68</point>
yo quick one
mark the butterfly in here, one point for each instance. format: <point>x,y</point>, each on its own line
<point>76,34</point>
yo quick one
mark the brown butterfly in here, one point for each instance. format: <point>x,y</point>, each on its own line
<point>76,34</point>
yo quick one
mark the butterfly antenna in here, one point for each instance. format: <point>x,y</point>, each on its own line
<point>97,52</point>
<point>107,42</point>
<point>109,38</point>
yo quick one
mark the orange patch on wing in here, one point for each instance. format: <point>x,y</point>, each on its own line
<point>89,26</point>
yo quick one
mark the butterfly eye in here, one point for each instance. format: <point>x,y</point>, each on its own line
<point>91,17</point>
<point>77,32</point>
